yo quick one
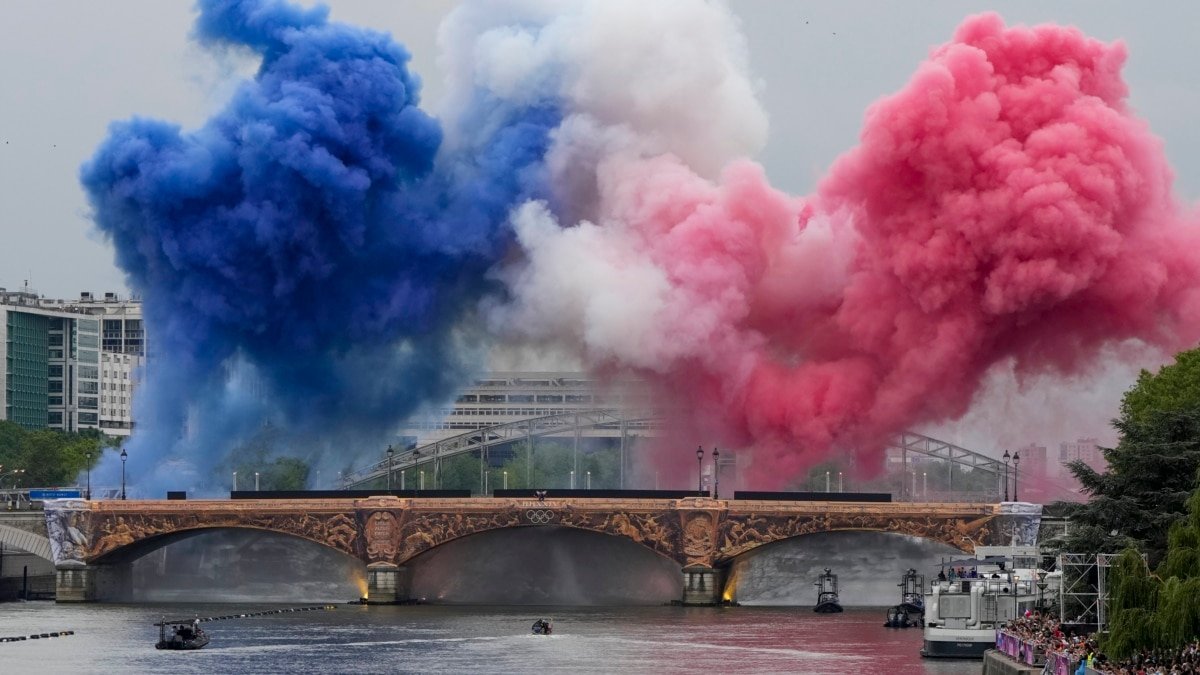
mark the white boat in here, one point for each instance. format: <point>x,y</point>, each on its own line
<point>961,616</point>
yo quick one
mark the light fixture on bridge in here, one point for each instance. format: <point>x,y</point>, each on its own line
<point>1006,458</point>
<point>699,470</point>
<point>390,451</point>
<point>124,456</point>
<point>88,494</point>
<point>716,473</point>
<point>1016,462</point>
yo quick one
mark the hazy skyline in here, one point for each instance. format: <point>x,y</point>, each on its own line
<point>70,68</point>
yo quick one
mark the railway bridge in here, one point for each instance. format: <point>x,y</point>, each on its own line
<point>92,541</point>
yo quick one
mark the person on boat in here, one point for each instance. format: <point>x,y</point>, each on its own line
<point>941,575</point>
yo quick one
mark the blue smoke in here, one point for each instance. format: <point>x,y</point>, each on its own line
<point>311,258</point>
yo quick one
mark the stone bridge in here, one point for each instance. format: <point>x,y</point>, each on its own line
<point>702,535</point>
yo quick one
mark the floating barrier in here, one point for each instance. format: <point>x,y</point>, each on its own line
<point>37,636</point>
<point>316,608</point>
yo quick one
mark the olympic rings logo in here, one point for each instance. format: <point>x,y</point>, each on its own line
<point>539,516</point>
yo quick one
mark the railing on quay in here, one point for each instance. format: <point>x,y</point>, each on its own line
<point>1035,654</point>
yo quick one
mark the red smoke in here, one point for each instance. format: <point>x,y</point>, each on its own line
<point>1005,204</point>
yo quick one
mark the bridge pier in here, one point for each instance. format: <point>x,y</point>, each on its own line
<point>388,584</point>
<point>90,583</point>
<point>703,586</point>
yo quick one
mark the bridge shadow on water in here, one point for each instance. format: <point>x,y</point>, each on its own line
<point>868,564</point>
<point>233,565</point>
<point>548,565</point>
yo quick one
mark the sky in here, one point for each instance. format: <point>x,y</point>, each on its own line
<point>69,67</point>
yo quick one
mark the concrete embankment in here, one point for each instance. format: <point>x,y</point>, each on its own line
<point>995,663</point>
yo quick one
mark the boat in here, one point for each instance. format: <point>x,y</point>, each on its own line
<point>909,613</point>
<point>963,611</point>
<point>543,627</point>
<point>186,634</point>
<point>827,593</point>
<point>912,592</point>
<point>899,617</point>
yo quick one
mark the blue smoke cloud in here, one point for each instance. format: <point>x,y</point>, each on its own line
<point>312,256</point>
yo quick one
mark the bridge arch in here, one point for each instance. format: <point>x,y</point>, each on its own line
<point>397,539</point>
<point>13,537</point>
<point>127,552</point>
<point>544,565</point>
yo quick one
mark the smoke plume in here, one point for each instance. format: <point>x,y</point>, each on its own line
<point>318,254</point>
<point>309,256</point>
<point>1004,207</point>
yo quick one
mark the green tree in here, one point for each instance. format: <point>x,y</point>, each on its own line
<point>48,457</point>
<point>1175,387</point>
<point>1145,488</point>
<point>1150,472</point>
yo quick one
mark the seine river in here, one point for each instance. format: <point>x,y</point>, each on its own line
<point>119,638</point>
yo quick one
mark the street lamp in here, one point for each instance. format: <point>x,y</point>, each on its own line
<point>572,479</point>
<point>827,481</point>
<point>924,485</point>
<point>390,452</point>
<point>840,481</point>
<point>1041,586</point>
<point>256,481</point>
<point>421,486</point>
<point>588,480</point>
<point>505,480</point>
<point>699,469</point>
<point>88,494</point>
<point>235,481</point>
<point>1016,463</point>
<point>402,480</point>
<point>1006,458</point>
<point>716,473</point>
<point>124,456</point>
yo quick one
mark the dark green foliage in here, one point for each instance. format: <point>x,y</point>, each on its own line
<point>48,457</point>
<point>1162,609</point>
<point>1144,491</point>
<point>262,454</point>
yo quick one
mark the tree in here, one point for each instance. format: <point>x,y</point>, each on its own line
<point>1160,610</point>
<point>1150,472</point>
<point>48,457</point>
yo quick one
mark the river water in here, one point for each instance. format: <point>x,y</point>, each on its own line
<point>119,638</point>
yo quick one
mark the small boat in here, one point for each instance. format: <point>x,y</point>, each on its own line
<point>184,635</point>
<point>898,617</point>
<point>827,593</point>
<point>912,592</point>
<point>543,626</point>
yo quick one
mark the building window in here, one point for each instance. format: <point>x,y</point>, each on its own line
<point>56,371</point>
<point>54,400</point>
<point>54,419</point>
<point>56,353</point>
<point>54,386</point>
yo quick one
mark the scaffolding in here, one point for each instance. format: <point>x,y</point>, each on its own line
<point>1083,590</point>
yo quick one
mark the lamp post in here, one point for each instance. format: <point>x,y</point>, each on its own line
<point>235,481</point>
<point>402,480</point>
<point>840,482</point>
<point>588,479</point>
<point>572,481</point>
<point>699,469</point>
<point>1006,458</point>
<point>505,480</point>
<point>1016,463</point>
<point>716,473</point>
<point>422,477</point>
<point>827,481</point>
<point>256,481</point>
<point>88,494</point>
<point>124,456</point>
<point>1041,586</point>
<point>390,452</point>
<point>417,460</point>
<point>924,485</point>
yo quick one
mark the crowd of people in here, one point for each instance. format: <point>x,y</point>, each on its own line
<point>1045,631</point>
<point>1184,661</point>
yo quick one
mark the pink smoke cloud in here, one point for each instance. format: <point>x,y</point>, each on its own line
<point>1005,206</point>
